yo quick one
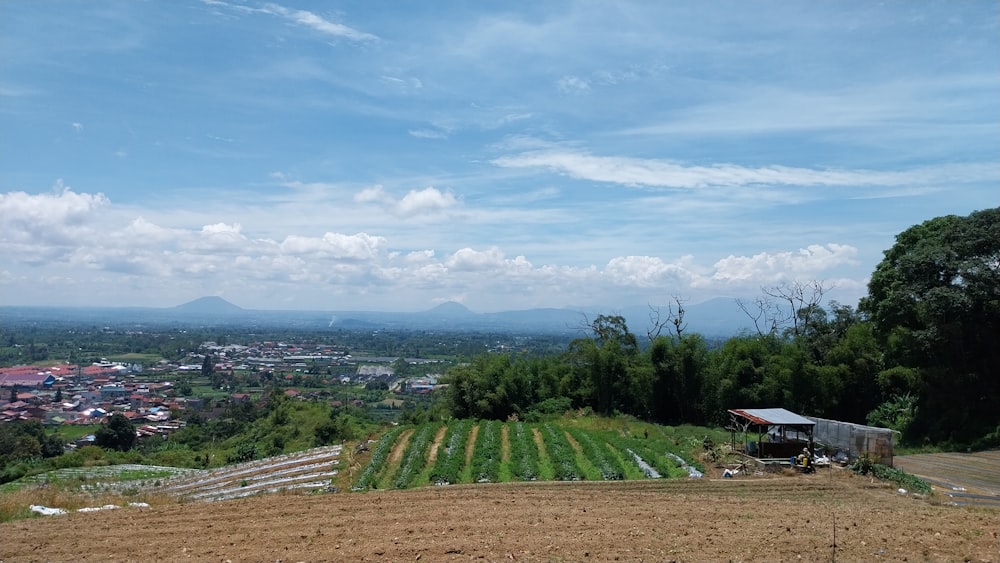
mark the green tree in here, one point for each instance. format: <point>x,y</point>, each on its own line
<point>207,366</point>
<point>118,433</point>
<point>607,374</point>
<point>678,366</point>
<point>934,304</point>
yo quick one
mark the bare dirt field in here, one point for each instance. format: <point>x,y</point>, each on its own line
<point>832,515</point>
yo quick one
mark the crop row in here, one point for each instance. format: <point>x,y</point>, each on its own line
<point>523,452</point>
<point>415,457</point>
<point>451,454</point>
<point>562,454</point>
<point>610,468</point>
<point>379,456</point>
<point>565,455</point>
<point>486,457</point>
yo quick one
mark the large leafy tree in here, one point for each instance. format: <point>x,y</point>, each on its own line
<point>118,433</point>
<point>934,304</point>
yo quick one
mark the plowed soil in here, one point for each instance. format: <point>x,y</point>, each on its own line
<point>821,517</point>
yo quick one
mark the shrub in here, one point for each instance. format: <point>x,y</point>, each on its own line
<point>865,465</point>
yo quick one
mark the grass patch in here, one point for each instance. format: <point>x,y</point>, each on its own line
<point>72,432</point>
<point>15,505</point>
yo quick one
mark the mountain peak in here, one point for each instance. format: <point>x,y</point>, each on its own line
<point>451,309</point>
<point>212,304</point>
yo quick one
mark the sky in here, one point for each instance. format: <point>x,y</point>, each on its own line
<point>392,156</point>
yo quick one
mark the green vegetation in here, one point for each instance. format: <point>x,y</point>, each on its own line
<point>487,454</point>
<point>918,356</point>
<point>523,452</point>
<point>451,454</point>
<point>380,454</point>
<point>865,466</point>
<point>561,454</point>
<point>572,449</point>
<point>415,456</point>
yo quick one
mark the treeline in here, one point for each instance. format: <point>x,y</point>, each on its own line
<point>921,354</point>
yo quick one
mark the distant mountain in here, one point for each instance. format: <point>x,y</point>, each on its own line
<point>450,309</point>
<point>715,318</point>
<point>209,305</point>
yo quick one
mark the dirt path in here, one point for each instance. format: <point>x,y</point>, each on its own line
<point>470,444</point>
<point>780,519</point>
<point>399,447</point>
<point>435,445</point>
<point>505,443</point>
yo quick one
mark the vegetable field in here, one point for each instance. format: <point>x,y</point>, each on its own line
<point>490,451</point>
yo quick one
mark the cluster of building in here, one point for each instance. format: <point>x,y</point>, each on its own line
<point>71,394</point>
<point>77,394</point>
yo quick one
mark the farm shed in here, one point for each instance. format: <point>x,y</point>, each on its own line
<point>855,439</point>
<point>780,433</point>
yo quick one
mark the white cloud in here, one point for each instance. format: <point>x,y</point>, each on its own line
<point>767,267</point>
<point>428,134</point>
<point>425,201</point>
<point>317,23</point>
<point>337,246</point>
<point>572,85</point>
<point>647,271</point>
<point>667,174</point>
<point>428,201</point>
<point>57,217</point>
<point>372,194</point>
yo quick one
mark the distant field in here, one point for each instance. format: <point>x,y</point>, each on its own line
<point>136,358</point>
<point>972,478</point>
<point>72,432</point>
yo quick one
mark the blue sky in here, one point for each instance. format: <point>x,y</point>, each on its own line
<point>394,156</point>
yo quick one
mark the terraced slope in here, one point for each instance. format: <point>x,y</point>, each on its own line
<point>308,470</point>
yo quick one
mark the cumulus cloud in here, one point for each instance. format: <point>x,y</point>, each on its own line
<point>428,201</point>
<point>58,217</point>
<point>667,174</point>
<point>647,271</point>
<point>161,257</point>
<point>769,267</point>
<point>339,246</point>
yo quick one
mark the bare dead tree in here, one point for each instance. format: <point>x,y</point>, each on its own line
<point>657,319</point>
<point>798,296</point>
<point>781,305</point>
<point>763,312</point>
